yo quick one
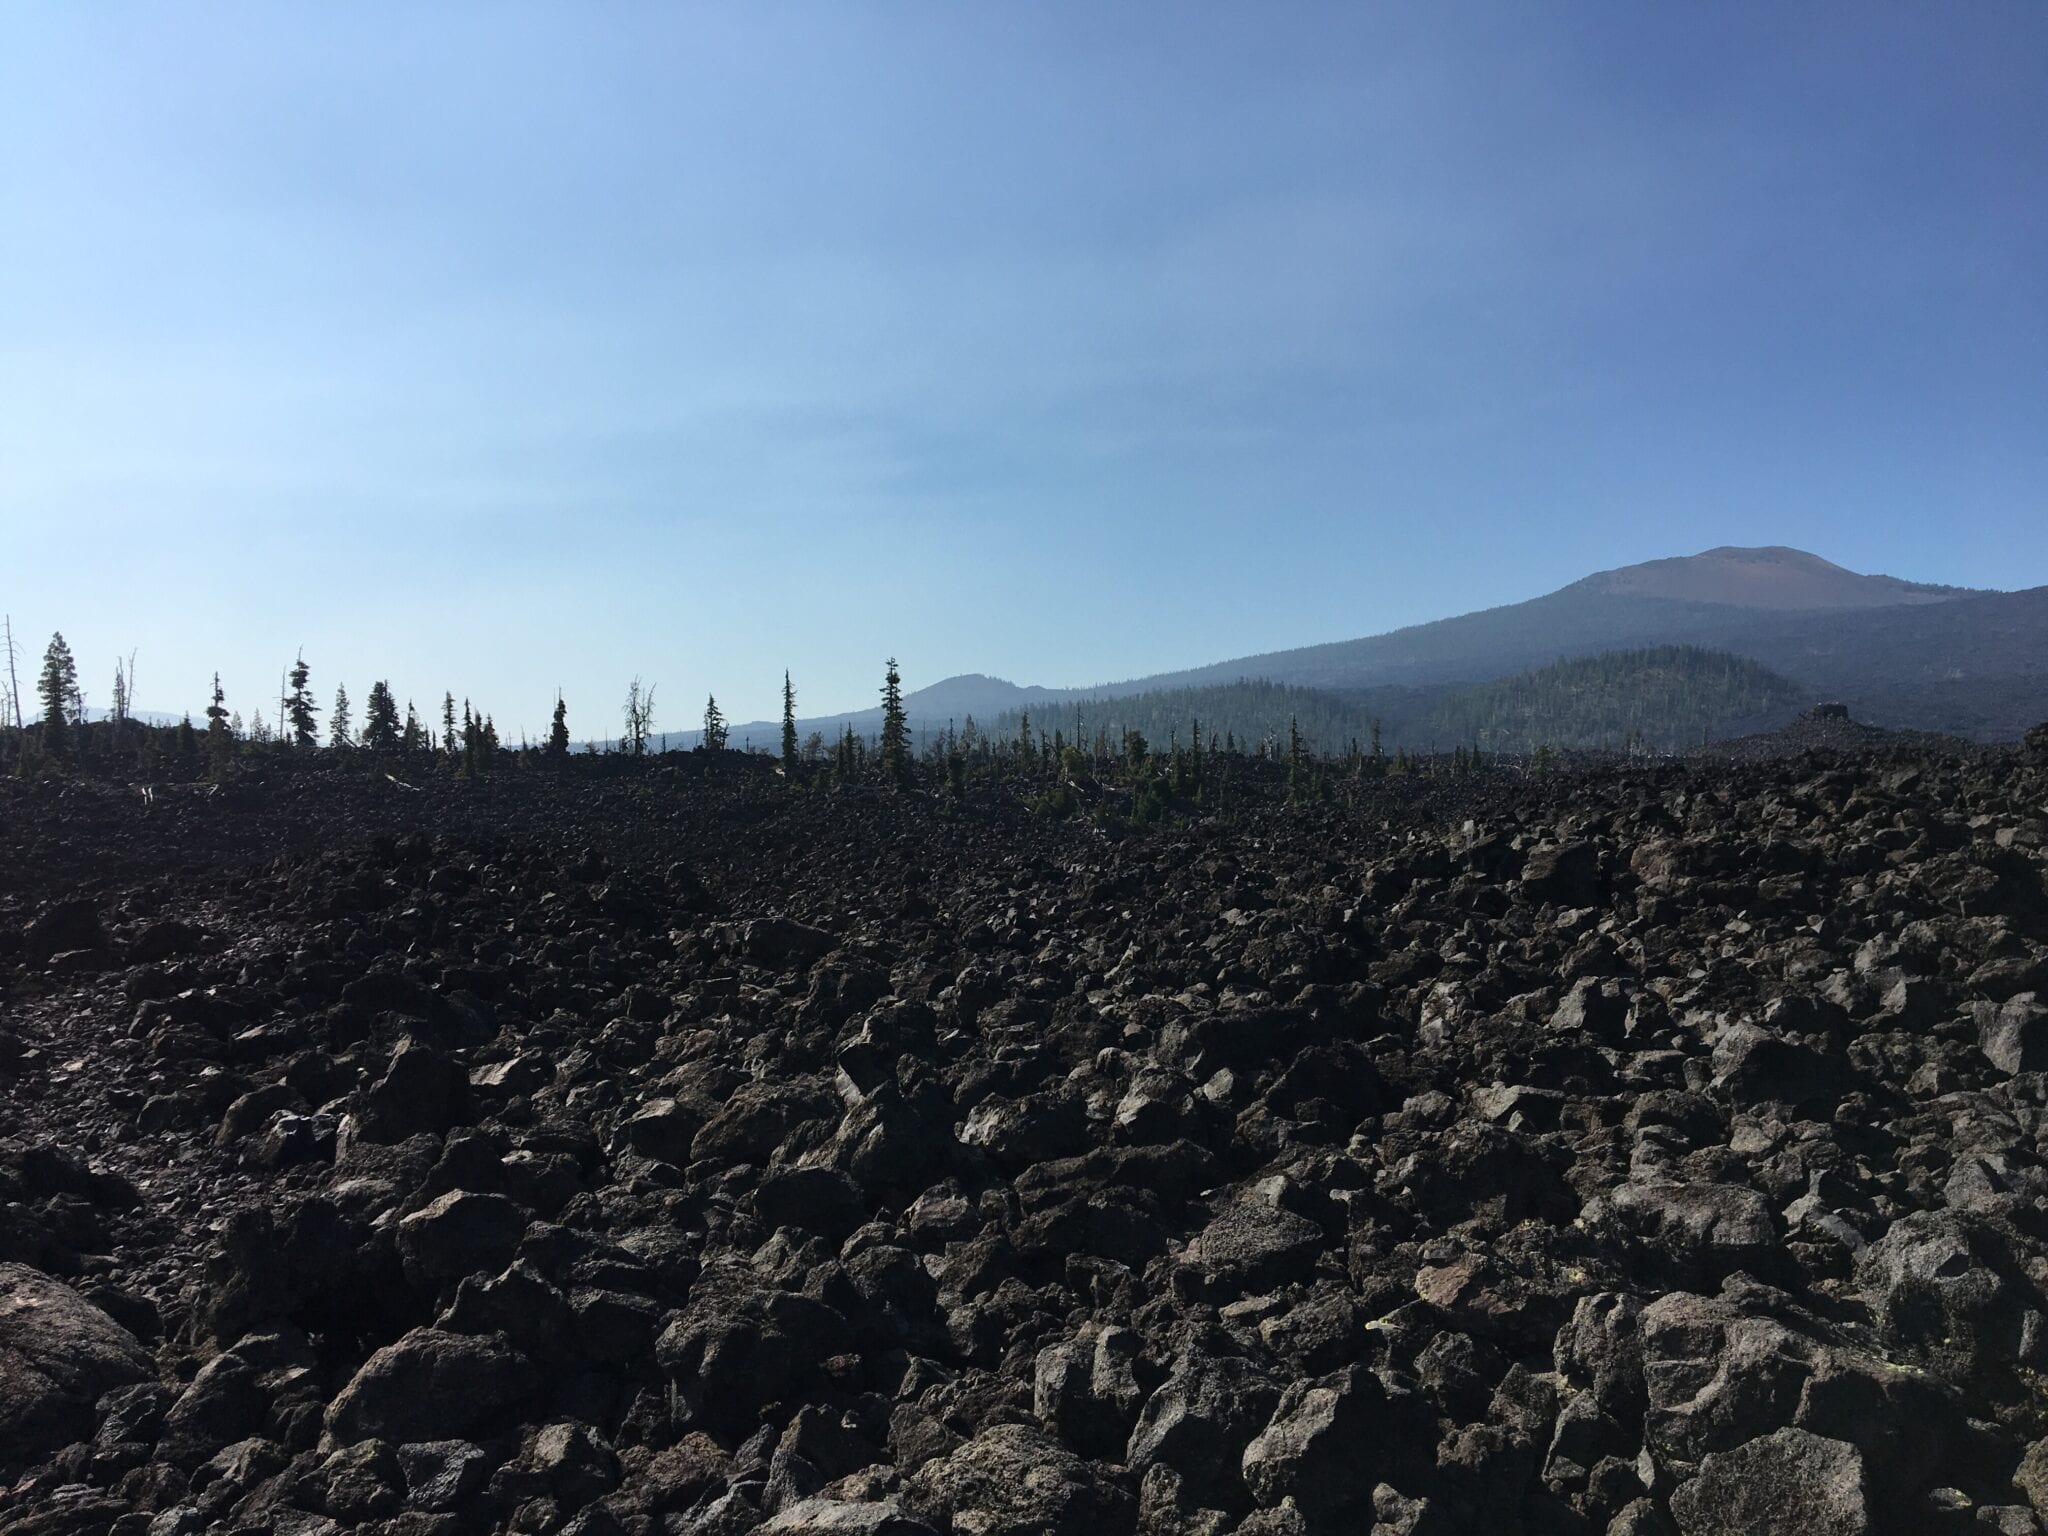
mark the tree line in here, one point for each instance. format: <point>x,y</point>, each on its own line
<point>1139,758</point>
<point>60,733</point>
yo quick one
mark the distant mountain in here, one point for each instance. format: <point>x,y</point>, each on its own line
<point>1902,654</point>
<point>1772,577</point>
<point>972,693</point>
<point>1706,599</point>
<point>146,716</point>
<point>949,701</point>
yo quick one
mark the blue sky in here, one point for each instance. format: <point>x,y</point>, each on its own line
<point>501,348</point>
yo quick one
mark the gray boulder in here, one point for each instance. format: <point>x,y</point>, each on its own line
<point>58,1353</point>
<point>1320,1449</point>
<point>461,1233</point>
<point>1252,1246</point>
<point>1199,1422</point>
<point>833,1517</point>
<point>2014,1035</point>
<point>1014,1480</point>
<point>1788,1483</point>
<point>1085,1391</point>
<point>429,1385</point>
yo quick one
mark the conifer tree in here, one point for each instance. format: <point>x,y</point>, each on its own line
<point>340,728</point>
<point>788,725</point>
<point>57,686</point>
<point>217,712</point>
<point>380,718</point>
<point>415,737</point>
<point>448,738</point>
<point>558,732</point>
<point>298,707</point>
<point>218,739</point>
<point>895,728</point>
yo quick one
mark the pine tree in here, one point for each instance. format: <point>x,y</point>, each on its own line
<point>448,738</point>
<point>218,739</point>
<point>380,718</point>
<point>217,712</point>
<point>415,737</point>
<point>558,733</point>
<point>715,729</point>
<point>298,707</point>
<point>57,686</point>
<point>340,729</point>
<point>895,728</point>
<point>788,725</point>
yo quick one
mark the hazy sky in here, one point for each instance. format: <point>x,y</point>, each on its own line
<point>500,347</point>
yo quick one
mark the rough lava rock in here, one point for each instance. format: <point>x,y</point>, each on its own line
<point>686,1147</point>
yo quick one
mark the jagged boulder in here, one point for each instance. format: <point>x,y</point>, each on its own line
<point>58,1355</point>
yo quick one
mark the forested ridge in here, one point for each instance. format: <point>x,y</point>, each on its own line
<point>1659,698</point>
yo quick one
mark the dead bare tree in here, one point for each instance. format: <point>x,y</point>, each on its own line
<point>639,713</point>
<point>13,682</point>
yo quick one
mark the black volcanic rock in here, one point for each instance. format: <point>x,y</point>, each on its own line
<point>1638,1147</point>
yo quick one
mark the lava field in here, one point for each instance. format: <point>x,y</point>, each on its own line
<point>676,1149</point>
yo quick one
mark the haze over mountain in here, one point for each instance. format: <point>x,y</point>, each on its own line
<point>1900,652</point>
